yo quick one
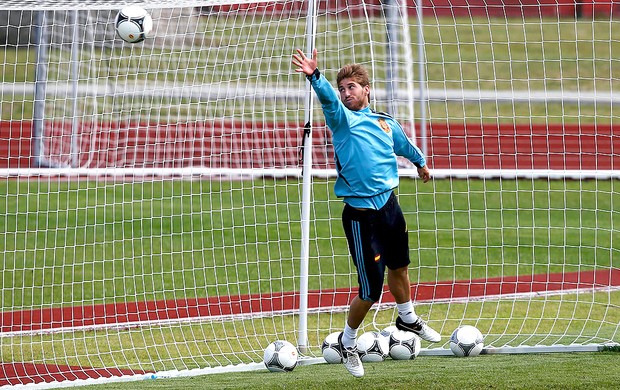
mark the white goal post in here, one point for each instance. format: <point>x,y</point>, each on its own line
<point>168,206</point>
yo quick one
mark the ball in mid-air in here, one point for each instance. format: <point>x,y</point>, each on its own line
<point>466,340</point>
<point>280,356</point>
<point>133,24</point>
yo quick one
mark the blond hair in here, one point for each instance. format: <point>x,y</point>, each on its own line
<point>354,72</point>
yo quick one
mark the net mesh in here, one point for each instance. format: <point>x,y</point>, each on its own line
<point>151,217</point>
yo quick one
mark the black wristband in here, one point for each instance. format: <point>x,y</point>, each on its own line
<point>314,76</point>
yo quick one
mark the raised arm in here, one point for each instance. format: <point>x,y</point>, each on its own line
<point>335,112</point>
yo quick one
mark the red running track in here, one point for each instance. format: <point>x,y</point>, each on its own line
<point>131,312</point>
<point>225,144</point>
<point>23,373</point>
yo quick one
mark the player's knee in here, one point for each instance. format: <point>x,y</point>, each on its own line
<point>401,272</point>
<point>373,294</point>
<point>370,297</point>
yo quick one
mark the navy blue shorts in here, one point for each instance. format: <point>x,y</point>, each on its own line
<point>377,239</point>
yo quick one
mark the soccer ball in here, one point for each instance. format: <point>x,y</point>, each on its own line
<point>404,345</point>
<point>466,340</point>
<point>331,348</point>
<point>372,347</point>
<point>388,331</point>
<point>133,24</point>
<point>280,356</point>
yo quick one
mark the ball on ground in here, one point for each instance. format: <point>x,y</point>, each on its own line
<point>372,347</point>
<point>331,349</point>
<point>386,332</point>
<point>280,356</point>
<point>466,340</point>
<point>404,345</point>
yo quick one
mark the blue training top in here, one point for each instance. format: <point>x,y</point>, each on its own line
<point>366,144</point>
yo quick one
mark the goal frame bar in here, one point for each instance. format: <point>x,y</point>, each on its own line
<point>249,173</point>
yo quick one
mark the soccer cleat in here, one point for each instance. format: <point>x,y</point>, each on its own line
<point>351,359</point>
<point>420,328</point>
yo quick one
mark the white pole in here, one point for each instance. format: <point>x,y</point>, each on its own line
<point>302,338</point>
<point>393,39</point>
<point>422,77</point>
<point>75,69</point>
<point>40,89</point>
<point>408,69</point>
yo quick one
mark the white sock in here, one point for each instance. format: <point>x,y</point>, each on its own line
<point>406,312</point>
<point>348,336</point>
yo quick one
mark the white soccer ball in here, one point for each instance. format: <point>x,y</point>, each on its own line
<point>372,347</point>
<point>280,356</point>
<point>133,23</point>
<point>404,345</point>
<point>386,332</point>
<point>331,348</point>
<point>466,340</point>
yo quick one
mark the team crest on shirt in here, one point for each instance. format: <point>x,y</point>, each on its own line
<point>384,125</point>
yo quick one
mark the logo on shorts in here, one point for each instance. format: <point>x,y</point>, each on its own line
<point>384,125</point>
<point>377,257</point>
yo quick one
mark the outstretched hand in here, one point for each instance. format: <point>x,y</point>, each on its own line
<point>305,65</point>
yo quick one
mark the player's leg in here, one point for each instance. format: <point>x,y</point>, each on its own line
<point>358,227</point>
<point>357,311</point>
<point>398,282</point>
<point>351,359</point>
<point>395,240</point>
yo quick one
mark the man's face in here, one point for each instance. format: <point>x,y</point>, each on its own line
<point>353,95</point>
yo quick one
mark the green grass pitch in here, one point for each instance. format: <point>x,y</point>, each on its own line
<point>180,239</point>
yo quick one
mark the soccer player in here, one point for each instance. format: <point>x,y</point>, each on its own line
<point>366,144</point>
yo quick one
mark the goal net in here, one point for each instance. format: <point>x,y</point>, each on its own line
<point>157,218</point>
